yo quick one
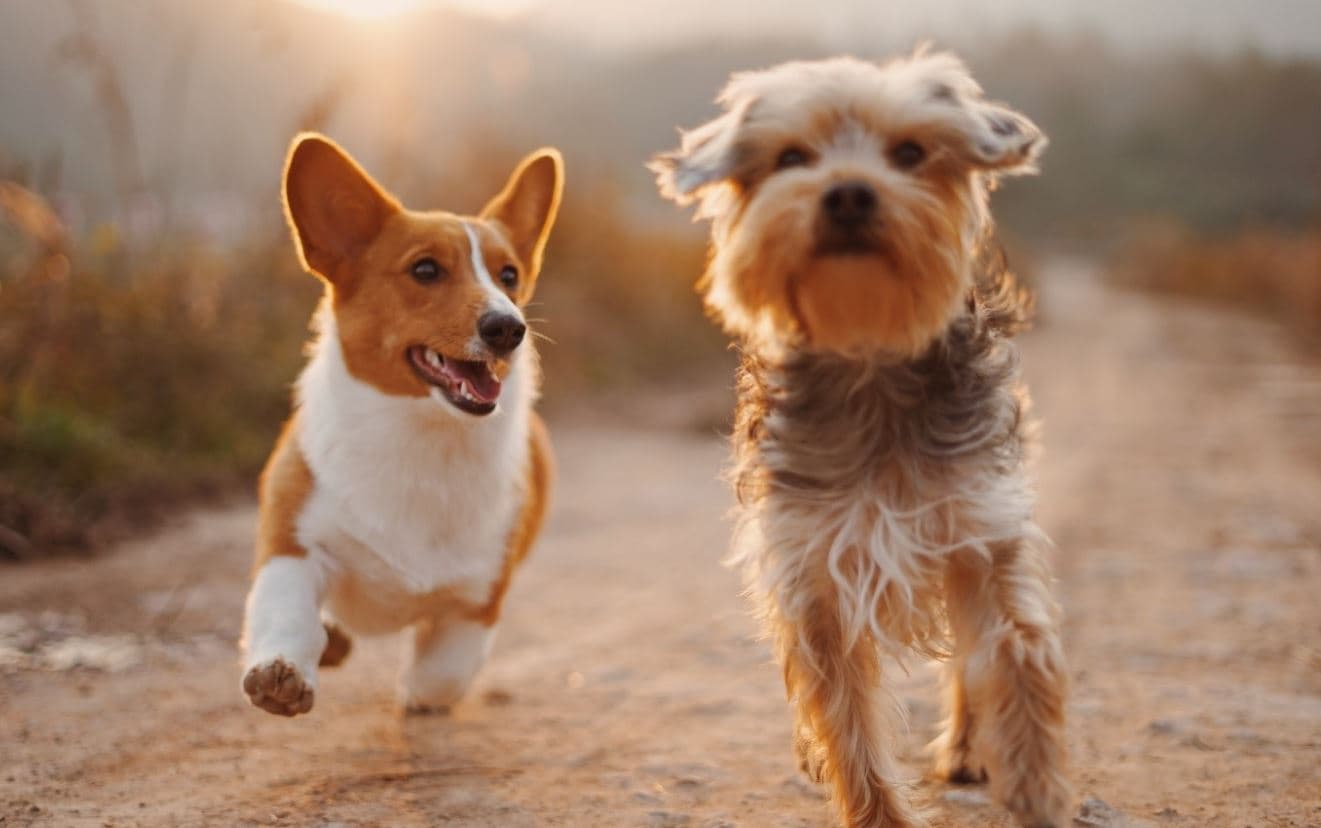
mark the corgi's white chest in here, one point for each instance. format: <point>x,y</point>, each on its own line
<point>409,516</point>
<point>409,496</point>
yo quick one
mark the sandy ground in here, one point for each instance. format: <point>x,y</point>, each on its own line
<point>1181,478</point>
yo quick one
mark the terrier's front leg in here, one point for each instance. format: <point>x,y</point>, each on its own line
<point>283,636</point>
<point>969,613</point>
<point>446,655</point>
<point>842,737</point>
<point>1016,681</point>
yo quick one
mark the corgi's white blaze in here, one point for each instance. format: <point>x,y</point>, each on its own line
<point>281,620</point>
<point>497,300</point>
<point>408,498</point>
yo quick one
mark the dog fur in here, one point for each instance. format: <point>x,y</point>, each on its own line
<point>413,476</point>
<point>879,447</point>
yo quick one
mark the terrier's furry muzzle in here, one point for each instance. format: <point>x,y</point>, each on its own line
<point>846,198</point>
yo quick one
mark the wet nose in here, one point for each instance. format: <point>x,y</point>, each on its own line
<point>849,203</point>
<point>501,331</point>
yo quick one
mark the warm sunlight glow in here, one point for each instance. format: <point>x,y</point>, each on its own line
<point>494,8</point>
<point>380,9</point>
<point>366,8</point>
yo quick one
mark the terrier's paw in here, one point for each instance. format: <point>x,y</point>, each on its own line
<point>957,767</point>
<point>965,775</point>
<point>278,687</point>
<point>811,757</point>
<point>1043,801</point>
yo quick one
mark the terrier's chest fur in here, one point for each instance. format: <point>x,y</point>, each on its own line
<point>881,469</point>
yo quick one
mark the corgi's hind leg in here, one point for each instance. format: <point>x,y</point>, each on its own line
<point>446,654</point>
<point>338,643</point>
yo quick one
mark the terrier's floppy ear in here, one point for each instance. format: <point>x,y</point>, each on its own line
<point>528,204</point>
<point>986,135</point>
<point>1001,140</point>
<point>334,208</point>
<point>706,156</point>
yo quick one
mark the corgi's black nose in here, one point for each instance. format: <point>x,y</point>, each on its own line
<point>849,203</point>
<point>501,331</point>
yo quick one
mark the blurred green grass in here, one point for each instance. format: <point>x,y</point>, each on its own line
<point>137,377</point>
<point>134,376</point>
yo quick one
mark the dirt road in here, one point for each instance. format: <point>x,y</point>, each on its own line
<point>1181,478</point>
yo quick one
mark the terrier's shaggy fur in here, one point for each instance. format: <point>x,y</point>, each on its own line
<point>881,431</point>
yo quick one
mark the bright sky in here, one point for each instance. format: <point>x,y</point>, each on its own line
<point>380,9</point>
<point>1289,26</point>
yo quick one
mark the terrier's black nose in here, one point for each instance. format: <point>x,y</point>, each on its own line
<point>849,203</point>
<point>501,331</point>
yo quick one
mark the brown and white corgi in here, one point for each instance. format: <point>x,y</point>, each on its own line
<point>413,476</point>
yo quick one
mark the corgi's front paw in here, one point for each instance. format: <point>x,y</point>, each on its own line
<point>278,687</point>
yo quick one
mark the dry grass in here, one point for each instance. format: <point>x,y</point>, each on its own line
<point>132,378</point>
<point>128,378</point>
<point>1262,270</point>
<point>618,303</point>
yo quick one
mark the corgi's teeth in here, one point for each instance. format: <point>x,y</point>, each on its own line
<point>434,359</point>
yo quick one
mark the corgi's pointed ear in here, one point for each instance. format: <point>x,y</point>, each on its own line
<point>333,206</point>
<point>528,204</point>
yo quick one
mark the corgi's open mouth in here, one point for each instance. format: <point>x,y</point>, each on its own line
<point>469,386</point>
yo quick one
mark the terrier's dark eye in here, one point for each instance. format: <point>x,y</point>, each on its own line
<point>907,154</point>
<point>792,157</point>
<point>428,270</point>
<point>509,276</point>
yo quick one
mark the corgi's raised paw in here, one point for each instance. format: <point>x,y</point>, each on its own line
<point>278,687</point>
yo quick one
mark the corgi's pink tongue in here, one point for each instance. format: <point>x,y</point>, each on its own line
<point>480,382</point>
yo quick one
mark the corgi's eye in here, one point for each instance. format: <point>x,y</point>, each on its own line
<point>509,276</point>
<point>792,157</point>
<point>427,270</point>
<point>907,154</point>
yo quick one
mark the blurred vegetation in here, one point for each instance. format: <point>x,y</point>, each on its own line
<point>138,367</point>
<point>1262,270</point>
<point>136,377</point>
<point>131,376</point>
<point>1216,142</point>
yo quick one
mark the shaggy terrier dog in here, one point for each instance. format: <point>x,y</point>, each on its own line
<point>881,430</point>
